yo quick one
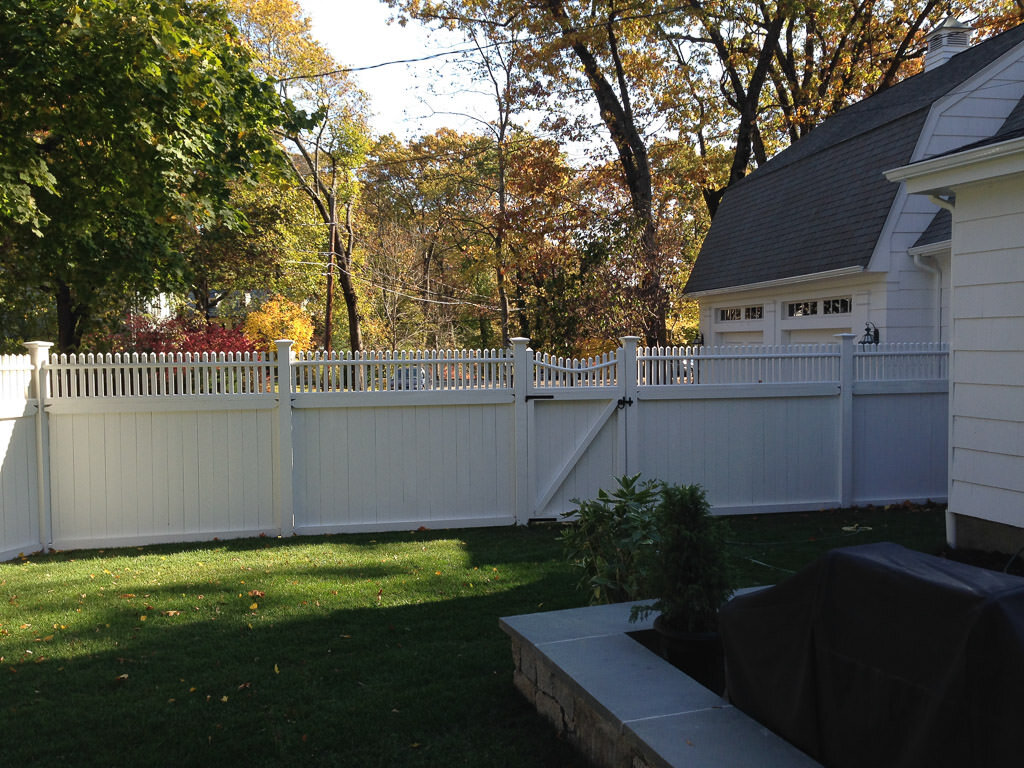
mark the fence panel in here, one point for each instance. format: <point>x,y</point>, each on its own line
<point>400,467</point>
<point>160,375</point>
<point>19,521</point>
<point>900,446</point>
<point>146,448</point>
<point>902,361</point>
<point>751,454</point>
<point>160,475</point>
<point>550,371</point>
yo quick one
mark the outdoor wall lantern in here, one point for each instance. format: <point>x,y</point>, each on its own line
<point>870,334</point>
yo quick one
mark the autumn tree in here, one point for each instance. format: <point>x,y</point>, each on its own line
<point>588,55</point>
<point>279,318</point>
<point>324,153</point>
<point>749,78</point>
<point>423,194</point>
<point>122,122</point>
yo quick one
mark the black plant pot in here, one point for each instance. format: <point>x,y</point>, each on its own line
<point>698,654</point>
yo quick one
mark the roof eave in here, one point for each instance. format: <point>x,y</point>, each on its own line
<point>938,175</point>
<point>939,248</point>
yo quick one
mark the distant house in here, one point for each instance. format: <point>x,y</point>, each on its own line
<point>983,187</point>
<point>816,241</point>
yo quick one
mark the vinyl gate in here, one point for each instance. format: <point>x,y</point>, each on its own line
<point>577,422</point>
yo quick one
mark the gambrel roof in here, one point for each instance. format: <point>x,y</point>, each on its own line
<point>820,205</point>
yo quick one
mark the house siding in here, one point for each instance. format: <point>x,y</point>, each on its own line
<point>867,292</point>
<point>987,366</point>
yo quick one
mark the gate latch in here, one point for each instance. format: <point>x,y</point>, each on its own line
<point>623,402</point>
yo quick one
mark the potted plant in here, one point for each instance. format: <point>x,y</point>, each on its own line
<point>687,570</point>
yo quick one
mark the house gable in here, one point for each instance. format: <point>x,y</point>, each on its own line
<point>819,207</point>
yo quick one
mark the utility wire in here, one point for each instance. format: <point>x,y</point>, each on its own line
<point>497,43</point>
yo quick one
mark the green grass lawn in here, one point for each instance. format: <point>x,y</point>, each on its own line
<point>378,650</point>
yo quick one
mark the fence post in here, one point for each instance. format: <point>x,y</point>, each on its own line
<point>522,372</point>
<point>285,501</point>
<point>846,378</point>
<point>37,351</point>
<point>626,374</point>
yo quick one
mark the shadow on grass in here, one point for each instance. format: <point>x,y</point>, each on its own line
<point>206,679</point>
<point>416,685</point>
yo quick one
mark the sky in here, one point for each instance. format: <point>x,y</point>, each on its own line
<point>357,34</point>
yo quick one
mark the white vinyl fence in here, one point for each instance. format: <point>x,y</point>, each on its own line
<point>134,449</point>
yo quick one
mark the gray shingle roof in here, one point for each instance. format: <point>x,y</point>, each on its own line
<point>820,205</point>
<point>939,230</point>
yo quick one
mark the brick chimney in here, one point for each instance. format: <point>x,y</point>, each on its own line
<point>945,41</point>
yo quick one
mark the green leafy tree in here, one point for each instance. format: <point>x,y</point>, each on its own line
<point>123,123</point>
<point>273,254</point>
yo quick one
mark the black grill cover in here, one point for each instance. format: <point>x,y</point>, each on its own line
<point>880,656</point>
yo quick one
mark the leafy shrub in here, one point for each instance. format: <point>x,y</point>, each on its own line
<point>184,333</point>
<point>687,567</point>
<point>649,539</point>
<point>607,536</point>
<point>279,318</point>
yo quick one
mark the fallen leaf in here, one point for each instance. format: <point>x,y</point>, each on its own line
<point>257,593</point>
<point>254,606</point>
<point>123,676</point>
<point>276,670</point>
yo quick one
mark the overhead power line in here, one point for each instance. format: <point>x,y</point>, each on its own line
<point>495,44</point>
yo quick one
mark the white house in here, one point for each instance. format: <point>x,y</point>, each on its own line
<point>983,186</point>
<point>817,242</point>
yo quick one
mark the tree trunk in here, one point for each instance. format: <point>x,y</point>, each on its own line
<point>69,319</point>
<point>617,114</point>
<point>355,334</point>
<point>332,237</point>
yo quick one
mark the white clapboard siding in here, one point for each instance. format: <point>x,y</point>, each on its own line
<point>987,371</point>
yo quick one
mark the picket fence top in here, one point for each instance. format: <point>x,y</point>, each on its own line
<point>308,372</point>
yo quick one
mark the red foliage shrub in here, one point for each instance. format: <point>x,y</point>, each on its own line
<point>180,334</point>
